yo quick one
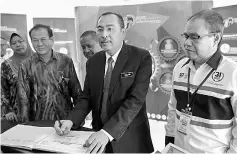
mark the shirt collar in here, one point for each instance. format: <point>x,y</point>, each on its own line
<point>54,56</point>
<point>213,62</point>
<point>115,56</point>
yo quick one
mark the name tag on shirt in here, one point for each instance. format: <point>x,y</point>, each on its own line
<point>184,123</point>
<point>127,74</point>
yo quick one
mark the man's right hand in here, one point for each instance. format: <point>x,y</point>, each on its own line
<point>11,116</point>
<point>64,128</point>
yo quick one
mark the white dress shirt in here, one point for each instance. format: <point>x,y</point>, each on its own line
<point>115,56</point>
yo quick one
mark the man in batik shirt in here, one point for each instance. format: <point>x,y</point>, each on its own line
<point>47,82</point>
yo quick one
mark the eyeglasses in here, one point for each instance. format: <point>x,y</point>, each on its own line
<point>36,41</point>
<point>195,37</point>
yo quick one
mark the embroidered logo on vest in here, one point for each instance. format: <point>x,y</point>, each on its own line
<point>217,76</point>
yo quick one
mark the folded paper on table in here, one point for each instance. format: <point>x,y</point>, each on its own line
<point>44,138</point>
<point>171,148</point>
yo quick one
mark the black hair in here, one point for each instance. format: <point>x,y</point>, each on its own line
<point>38,26</point>
<point>120,18</point>
<point>91,33</point>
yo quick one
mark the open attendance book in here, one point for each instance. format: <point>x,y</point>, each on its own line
<point>44,138</point>
<point>171,148</point>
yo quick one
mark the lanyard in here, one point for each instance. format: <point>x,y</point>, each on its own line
<point>188,88</point>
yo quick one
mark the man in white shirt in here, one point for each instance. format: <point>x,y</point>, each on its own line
<point>115,90</point>
<point>202,112</point>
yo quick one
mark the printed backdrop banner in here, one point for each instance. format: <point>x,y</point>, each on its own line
<point>229,42</point>
<point>155,27</point>
<point>64,36</point>
<point>11,23</point>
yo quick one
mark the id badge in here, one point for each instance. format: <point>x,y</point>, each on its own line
<point>184,123</point>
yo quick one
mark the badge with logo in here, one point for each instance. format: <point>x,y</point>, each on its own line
<point>184,123</point>
<point>217,76</point>
<point>127,74</point>
<point>183,75</point>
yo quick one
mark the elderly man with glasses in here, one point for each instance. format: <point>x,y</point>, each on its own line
<point>48,87</point>
<point>203,103</point>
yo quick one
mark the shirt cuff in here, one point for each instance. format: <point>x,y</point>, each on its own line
<point>108,135</point>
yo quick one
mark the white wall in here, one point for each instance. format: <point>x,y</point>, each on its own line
<point>57,8</point>
<point>222,3</point>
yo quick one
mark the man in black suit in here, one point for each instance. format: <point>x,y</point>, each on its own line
<point>115,89</point>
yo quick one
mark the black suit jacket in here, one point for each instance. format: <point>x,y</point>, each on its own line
<point>126,106</point>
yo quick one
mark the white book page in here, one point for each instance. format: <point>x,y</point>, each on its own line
<point>24,136</point>
<point>171,148</point>
<point>70,143</point>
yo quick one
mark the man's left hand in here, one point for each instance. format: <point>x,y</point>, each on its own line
<point>96,142</point>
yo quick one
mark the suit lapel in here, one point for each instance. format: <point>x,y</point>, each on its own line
<point>121,61</point>
<point>99,79</point>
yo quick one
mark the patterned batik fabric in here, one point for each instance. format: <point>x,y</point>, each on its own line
<point>8,88</point>
<point>45,89</point>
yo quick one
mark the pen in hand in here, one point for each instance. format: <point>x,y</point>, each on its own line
<point>60,124</point>
<point>59,121</point>
<point>58,118</point>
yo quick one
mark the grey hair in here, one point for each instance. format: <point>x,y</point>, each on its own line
<point>214,21</point>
